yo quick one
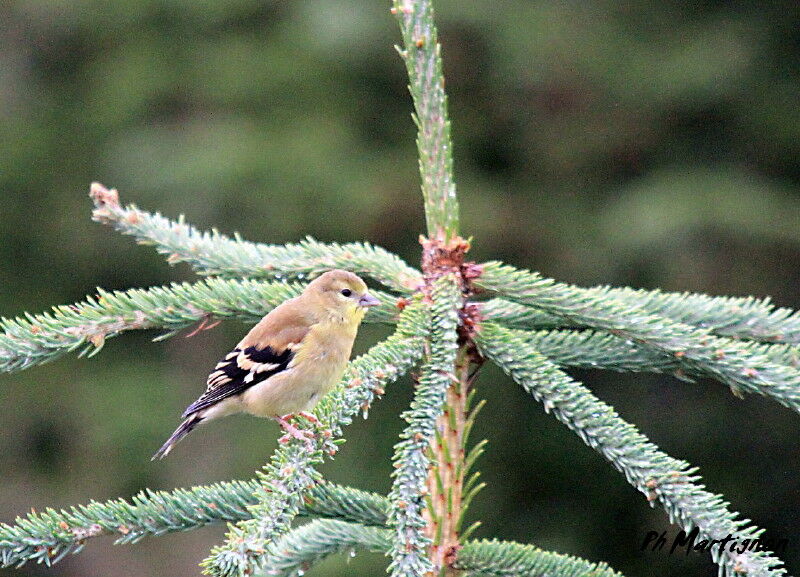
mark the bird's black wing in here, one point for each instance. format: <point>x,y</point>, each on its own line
<point>240,370</point>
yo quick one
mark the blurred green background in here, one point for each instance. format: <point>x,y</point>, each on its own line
<point>653,144</point>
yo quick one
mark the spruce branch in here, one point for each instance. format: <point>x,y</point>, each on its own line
<point>303,547</point>
<point>587,349</point>
<point>694,347</point>
<point>736,317</point>
<point>663,479</point>
<point>517,316</point>
<point>411,459</point>
<point>300,549</point>
<point>211,253</point>
<point>85,326</point>
<point>296,551</point>
<point>48,536</point>
<point>334,501</point>
<point>289,475</point>
<point>494,558</point>
<point>421,53</point>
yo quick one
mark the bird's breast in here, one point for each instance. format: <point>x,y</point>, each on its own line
<point>327,343</point>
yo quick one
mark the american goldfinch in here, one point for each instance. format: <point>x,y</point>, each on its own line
<point>288,361</point>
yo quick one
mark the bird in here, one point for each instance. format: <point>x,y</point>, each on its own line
<point>288,361</point>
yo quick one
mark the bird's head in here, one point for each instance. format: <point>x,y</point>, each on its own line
<point>341,293</point>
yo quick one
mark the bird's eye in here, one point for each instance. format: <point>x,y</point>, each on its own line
<point>347,292</point>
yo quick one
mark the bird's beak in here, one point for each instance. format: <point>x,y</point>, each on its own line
<point>367,300</point>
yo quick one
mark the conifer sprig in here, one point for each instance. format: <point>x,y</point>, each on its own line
<point>301,548</point>
<point>48,536</point>
<point>407,498</point>
<point>587,349</point>
<point>421,53</point>
<point>212,253</point>
<point>305,546</point>
<point>85,326</point>
<point>694,347</point>
<point>662,479</point>
<point>503,558</point>
<point>736,317</point>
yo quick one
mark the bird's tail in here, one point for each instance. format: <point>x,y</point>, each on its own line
<point>184,429</point>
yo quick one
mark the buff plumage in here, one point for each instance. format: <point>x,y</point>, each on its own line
<point>289,360</point>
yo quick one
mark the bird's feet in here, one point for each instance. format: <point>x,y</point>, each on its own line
<point>203,326</point>
<point>310,417</point>
<point>293,432</point>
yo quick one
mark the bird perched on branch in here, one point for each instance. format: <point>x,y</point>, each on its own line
<point>288,361</point>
